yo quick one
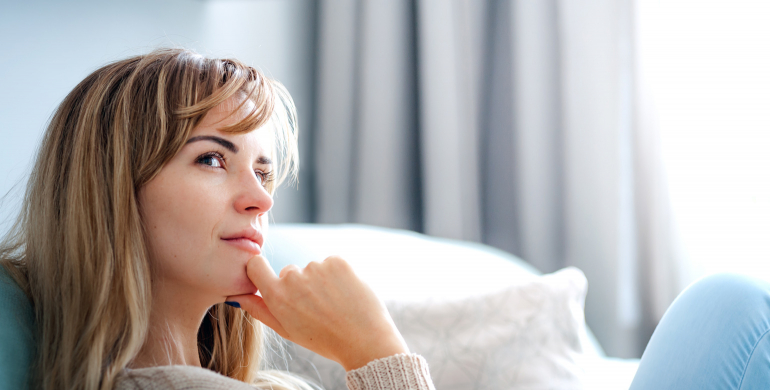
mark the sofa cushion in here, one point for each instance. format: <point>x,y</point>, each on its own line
<point>17,343</point>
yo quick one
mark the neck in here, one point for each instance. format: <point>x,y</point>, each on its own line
<point>173,333</point>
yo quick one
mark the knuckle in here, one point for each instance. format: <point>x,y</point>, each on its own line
<point>333,260</point>
<point>290,271</point>
<point>337,262</point>
<point>312,265</point>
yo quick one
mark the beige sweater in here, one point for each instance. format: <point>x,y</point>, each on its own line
<point>397,372</point>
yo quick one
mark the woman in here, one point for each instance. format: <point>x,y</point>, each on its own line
<point>140,240</point>
<point>145,213</point>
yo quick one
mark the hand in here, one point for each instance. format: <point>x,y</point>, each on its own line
<point>325,308</point>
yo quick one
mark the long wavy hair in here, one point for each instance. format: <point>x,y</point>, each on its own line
<point>78,247</point>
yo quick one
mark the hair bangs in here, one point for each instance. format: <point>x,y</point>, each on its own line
<point>221,80</point>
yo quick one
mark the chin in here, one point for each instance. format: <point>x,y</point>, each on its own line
<point>244,286</point>
<point>231,287</point>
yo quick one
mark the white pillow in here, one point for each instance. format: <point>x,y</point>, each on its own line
<point>526,336</point>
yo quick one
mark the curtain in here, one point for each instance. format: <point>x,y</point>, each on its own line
<point>520,124</point>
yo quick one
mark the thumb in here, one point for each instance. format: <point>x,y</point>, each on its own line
<point>260,273</point>
<point>255,306</point>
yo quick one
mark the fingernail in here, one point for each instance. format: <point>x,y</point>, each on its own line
<point>234,304</point>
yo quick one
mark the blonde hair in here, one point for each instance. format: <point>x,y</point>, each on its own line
<point>78,246</point>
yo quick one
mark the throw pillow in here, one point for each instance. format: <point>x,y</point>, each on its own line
<point>526,337</point>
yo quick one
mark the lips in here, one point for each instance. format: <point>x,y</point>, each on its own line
<point>249,240</point>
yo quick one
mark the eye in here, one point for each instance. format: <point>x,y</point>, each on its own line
<point>211,159</point>
<point>264,177</point>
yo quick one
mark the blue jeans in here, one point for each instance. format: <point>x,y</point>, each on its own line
<point>716,335</point>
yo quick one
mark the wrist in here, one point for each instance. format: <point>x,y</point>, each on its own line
<point>383,350</point>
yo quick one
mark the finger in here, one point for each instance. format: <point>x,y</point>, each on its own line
<point>255,305</point>
<point>261,273</point>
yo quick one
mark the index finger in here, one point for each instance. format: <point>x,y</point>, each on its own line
<point>260,273</point>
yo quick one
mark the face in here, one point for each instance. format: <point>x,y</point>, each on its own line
<point>205,211</point>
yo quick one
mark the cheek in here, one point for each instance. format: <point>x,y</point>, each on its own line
<point>180,221</point>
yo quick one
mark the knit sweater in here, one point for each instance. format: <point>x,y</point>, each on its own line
<point>397,372</point>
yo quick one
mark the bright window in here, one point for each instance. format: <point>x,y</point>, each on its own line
<point>707,66</point>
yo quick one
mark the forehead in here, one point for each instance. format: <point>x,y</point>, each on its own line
<point>229,113</point>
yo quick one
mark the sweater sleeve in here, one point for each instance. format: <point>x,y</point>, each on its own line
<point>397,372</point>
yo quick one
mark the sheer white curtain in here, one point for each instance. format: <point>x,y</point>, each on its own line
<point>516,123</point>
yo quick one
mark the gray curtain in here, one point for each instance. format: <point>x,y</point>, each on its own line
<point>520,124</point>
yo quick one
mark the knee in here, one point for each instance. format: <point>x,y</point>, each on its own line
<point>722,302</point>
<point>730,293</point>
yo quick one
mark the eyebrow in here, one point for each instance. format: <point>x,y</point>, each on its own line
<point>264,160</point>
<point>227,145</point>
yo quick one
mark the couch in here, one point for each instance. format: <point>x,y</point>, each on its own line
<point>483,318</point>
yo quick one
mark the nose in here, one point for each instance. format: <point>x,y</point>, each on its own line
<point>252,197</point>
